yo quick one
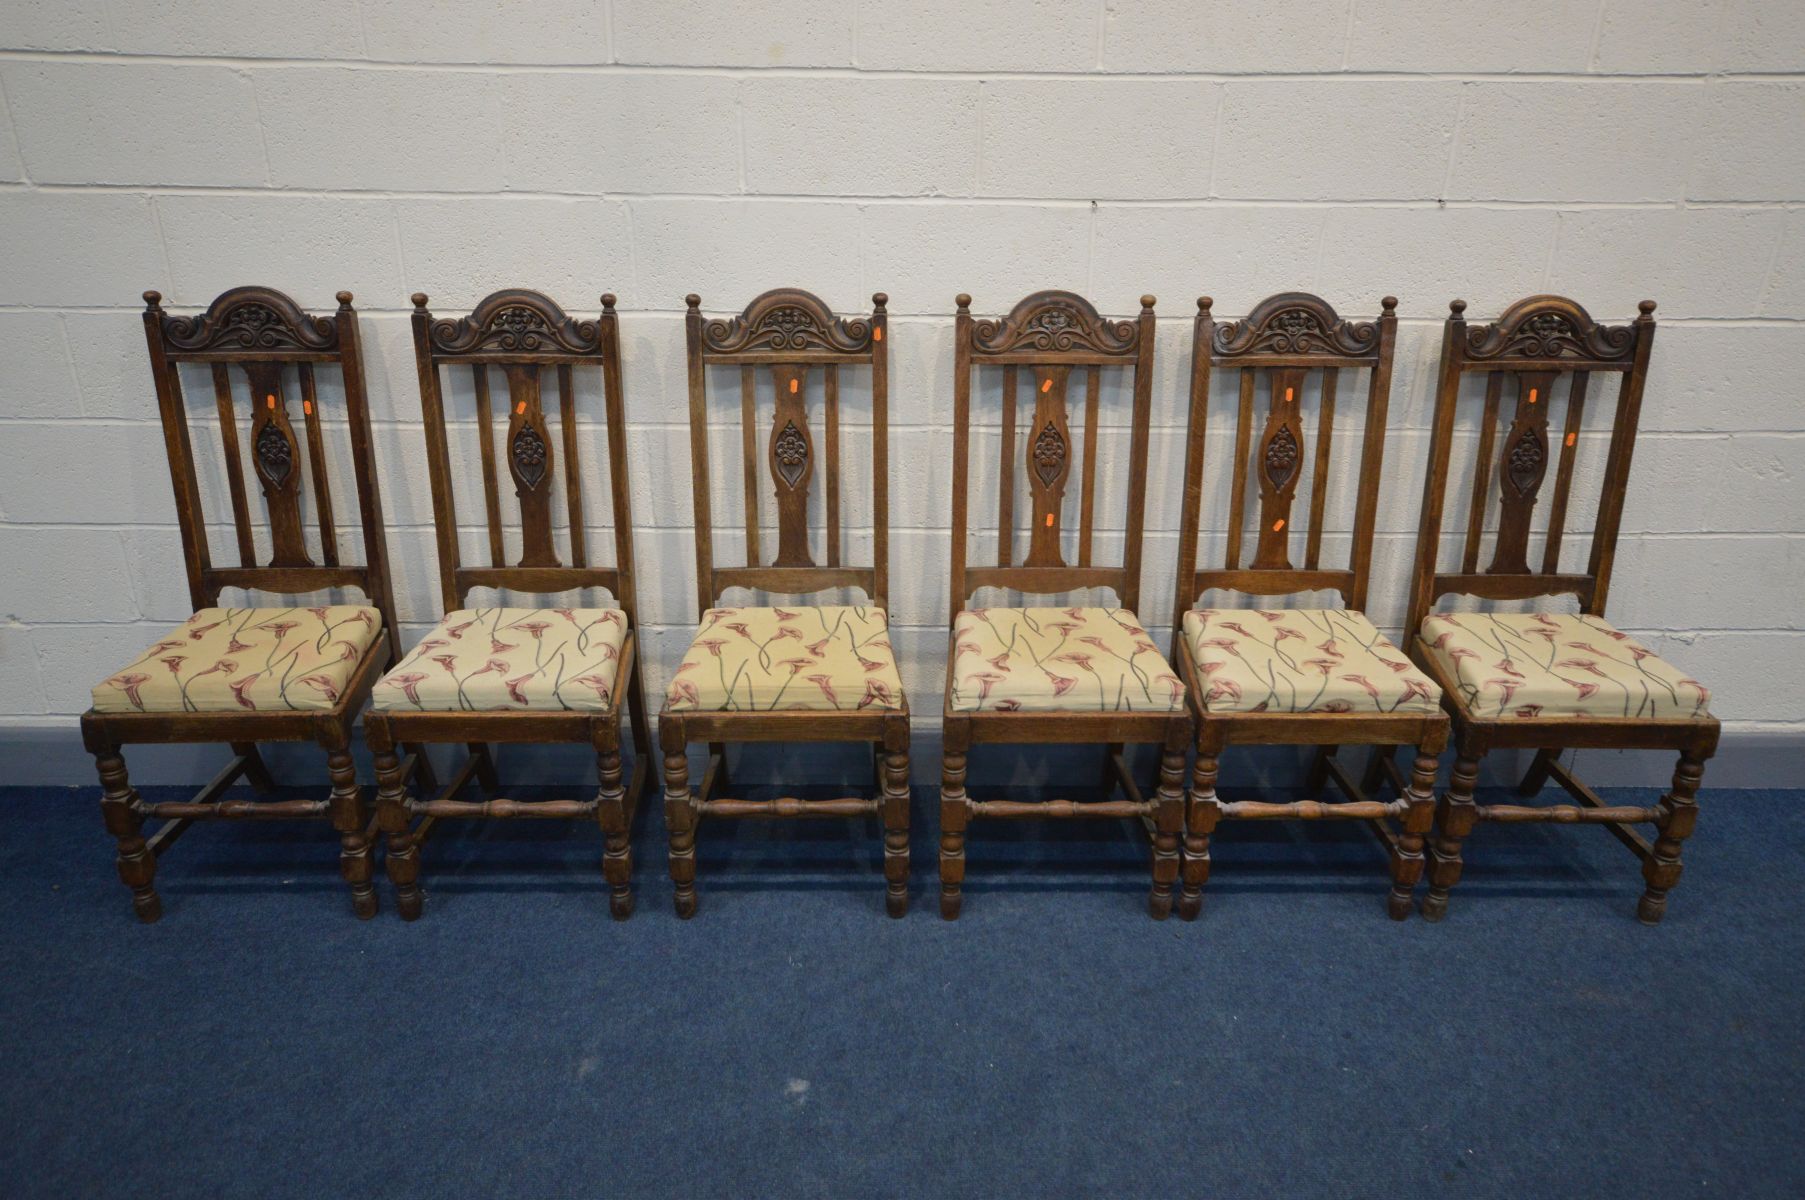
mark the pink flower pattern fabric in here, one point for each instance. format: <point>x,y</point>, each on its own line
<point>774,659</point>
<point>1301,660</point>
<point>1527,665</point>
<point>247,659</point>
<point>500,659</point>
<point>1059,660</point>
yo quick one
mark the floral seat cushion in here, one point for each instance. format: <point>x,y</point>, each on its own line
<point>773,659</point>
<point>1059,660</point>
<point>232,659</point>
<point>1302,660</point>
<point>1523,665</point>
<point>498,659</point>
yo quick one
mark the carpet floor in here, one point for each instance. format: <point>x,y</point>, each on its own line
<point>791,1041</point>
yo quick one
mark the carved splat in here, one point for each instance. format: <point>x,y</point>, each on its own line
<point>1049,464</point>
<point>1279,464</point>
<point>792,454</point>
<point>529,453</point>
<point>1521,466</point>
<point>276,455</point>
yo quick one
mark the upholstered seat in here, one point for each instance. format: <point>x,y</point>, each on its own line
<point>490,659</point>
<point>1301,660</point>
<point>774,659</point>
<point>1521,665</point>
<point>1059,660</point>
<point>228,659</point>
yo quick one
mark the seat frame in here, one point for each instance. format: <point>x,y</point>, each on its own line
<point>262,332</point>
<point>1050,333</point>
<point>1538,339</point>
<point>1286,337</point>
<point>525,333</point>
<point>787,331</point>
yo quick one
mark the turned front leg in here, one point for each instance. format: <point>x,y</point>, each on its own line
<point>617,849</point>
<point>954,815</point>
<point>402,861</point>
<point>680,819</point>
<point>1455,817</point>
<point>1168,820</point>
<point>896,819</point>
<point>349,817</point>
<point>137,865</point>
<point>1202,812</point>
<point>1407,851</point>
<point>1661,869</point>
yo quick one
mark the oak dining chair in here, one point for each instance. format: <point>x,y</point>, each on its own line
<point>1321,677</point>
<point>1055,675</point>
<point>798,672</point>
<point>1538,679</point>
<point>295,672</point>
<point>509,673</point>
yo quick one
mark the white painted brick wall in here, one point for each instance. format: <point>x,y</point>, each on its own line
<point>1609,149</point>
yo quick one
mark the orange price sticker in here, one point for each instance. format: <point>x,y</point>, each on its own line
<point>1049,520</point>
<point>794,383</point>
<point>1278,524</point>
<point>520,408</point>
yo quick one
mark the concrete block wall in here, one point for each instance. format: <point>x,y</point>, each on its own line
<point>1608,149</point>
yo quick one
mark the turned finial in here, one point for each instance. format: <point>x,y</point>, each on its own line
<point>608,301</point>
<point>1457,306</point>
<point>1204,303</point>
<point>878,300</point>
<point>152,298</point>
<point>694,301</point>
<point>1389,304</point>
<point>344,299</point>
<point>963,300</point>
<point>419,300</point>
<point>1146,303</point>
<point>1647,308</point>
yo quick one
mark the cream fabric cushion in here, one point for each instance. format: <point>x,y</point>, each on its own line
<point>769,659</point>
<point>1301,660</point>
<point>228,659</point>
<point>1059,660</point>
<point>1521,665</point>
<point>496,659</point>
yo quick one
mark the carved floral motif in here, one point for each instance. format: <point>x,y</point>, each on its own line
<point>1545,327</point>
<point>787,319</point>
<point>275,453</point>
<point>528,453</point>
<point>1281,457</point>
<point>791,450</point>
<point>516,321</point>
<point>1058,322</point>
<point>1049,454</point>
<point>1296,323</point>
<point>1524,464</point>
<point>251,319</point>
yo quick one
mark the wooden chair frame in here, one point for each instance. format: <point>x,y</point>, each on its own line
<point>525,333</point>
<point>1050,333</point>
<point>1537,340</point>
<point>789,332</point>
<point>262,332</point>
<point>1286,337</point>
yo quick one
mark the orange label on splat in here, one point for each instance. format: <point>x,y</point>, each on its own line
<point>1278,524</point>
<point>1046,386</point>
<point>520,408</point>
<point>877,335</point>
<point>270,401</point>
<point>794,383</point>
<point>1571,438</point>
<point>1049,520</point>
<point>1532,395</point>
<point>307,407</point>
<point>1287,395</point>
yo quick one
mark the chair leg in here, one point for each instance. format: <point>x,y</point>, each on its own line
<point>402,862</point>
<point>1202,811</point>
<point>1168,820</point>
<point>350,816</point>
<point>954,815</point>
<point>679,816</point>
<point>1455,816</point>
<point>611,810</point>
<point>486,776</point>
<point>137,865</point>
<point>254,769</point>
<point>896,818</point>
<point>1537,775</point>
<point>1662,869</point>
<point>1407,850</point>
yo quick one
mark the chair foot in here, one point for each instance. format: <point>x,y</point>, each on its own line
<point>364,903</point>
<point>1190,904</point>
<point>409,902</point>
<point>951,901</point>
<point>620,904</point>
<point>1435,904</point>
<point>148,906</point>
<point>1398,907</point>
<point>1651,908</point>
<point>686,904</point>
<point>896,904</point>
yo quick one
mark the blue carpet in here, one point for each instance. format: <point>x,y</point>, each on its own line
<point>791,1041</point>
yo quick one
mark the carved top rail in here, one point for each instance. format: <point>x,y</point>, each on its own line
<point>1047,336</point>
<point>276,346</point>
<point>797,339</point>
<point>1285,341</point>
<point>1541,350</point>
<point>525,334</point>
